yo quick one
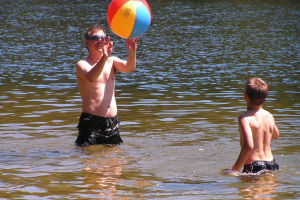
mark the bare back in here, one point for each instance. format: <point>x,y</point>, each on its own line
<point>263,129</point>
<point>98,97</point>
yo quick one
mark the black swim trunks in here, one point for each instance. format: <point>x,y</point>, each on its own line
<point>260,165</point>
<point>94,129</point>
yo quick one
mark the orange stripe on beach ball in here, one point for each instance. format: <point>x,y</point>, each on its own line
<point>113,7</point>
<point>123,21</point>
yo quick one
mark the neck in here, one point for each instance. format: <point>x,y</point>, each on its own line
<point>95,57</point>
<point>252,107</point>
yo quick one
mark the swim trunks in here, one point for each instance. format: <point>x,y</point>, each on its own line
<point>260,165</point>
<point>94,129</point>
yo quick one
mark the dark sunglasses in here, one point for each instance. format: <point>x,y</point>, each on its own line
<point>96,37</point>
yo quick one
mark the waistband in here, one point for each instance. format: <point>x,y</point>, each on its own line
<point>84,115</point>
<point>263,162</point>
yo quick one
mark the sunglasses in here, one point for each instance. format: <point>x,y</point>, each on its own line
<point>97,37</point>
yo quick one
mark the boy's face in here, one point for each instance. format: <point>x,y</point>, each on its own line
<point>95,45</point>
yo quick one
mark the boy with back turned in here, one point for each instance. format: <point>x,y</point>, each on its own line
<point>257,128</point>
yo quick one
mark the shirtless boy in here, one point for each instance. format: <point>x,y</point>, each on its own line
<point>99,122</point>
<point>257,128</point>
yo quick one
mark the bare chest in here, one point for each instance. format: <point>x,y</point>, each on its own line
<point>107,75</point>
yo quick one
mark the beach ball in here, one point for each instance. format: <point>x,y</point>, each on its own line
<point>128,18</point>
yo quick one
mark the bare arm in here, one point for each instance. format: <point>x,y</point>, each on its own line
<point>241,137</point>
<point>247,146</point>
<point>130,64</point>
<point>91,74</point>
<point>107,48</point>
<point>275,134</point>
<point>95,72</point>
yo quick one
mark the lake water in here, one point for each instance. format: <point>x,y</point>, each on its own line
<point>178,110</point>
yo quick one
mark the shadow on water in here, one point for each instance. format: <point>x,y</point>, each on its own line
<point>178,110</point>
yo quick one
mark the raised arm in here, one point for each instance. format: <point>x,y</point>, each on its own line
<point>83,67</point>
<point>90,74</point>
<point>130,64</point>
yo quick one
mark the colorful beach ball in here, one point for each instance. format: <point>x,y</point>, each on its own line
<point>128,18</point>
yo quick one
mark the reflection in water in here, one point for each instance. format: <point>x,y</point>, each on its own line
<point>263,186</point>
<point>104,171</point>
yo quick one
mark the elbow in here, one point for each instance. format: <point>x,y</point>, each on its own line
<point>275,134</point>
<point>131,69</point>
<point>248,147</point>
<point>275,137</point>
<point>90,79</point>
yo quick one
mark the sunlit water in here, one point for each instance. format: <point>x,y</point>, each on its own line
<point>178,110</point>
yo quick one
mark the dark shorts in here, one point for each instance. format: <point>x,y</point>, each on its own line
<point>94,129</point>
<point>260,165</point>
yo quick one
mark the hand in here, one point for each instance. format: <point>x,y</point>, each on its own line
<point>107,46</point>
<point>131,44</point>
<point>230,171</point>
<point>227,170</point>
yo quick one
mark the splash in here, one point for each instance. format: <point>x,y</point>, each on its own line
<point>230,172</point>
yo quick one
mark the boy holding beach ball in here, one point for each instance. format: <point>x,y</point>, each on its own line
<point>99,122</point>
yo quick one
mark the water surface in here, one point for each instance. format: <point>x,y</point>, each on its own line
<point>178,110</point>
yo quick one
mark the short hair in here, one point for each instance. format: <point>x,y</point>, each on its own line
<point>257,91</point>
<point>91,29</point>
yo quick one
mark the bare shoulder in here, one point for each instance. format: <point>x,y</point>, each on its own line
<point>118,64</point>
<point>267,114</point>
<point>81,63</point>
<point>111,61</point>
<point>243,119</point>
<point>114,59</point>
<point>244,115</point>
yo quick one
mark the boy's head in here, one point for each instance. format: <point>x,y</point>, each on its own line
<point>256,90</point>
<point>90,30</point>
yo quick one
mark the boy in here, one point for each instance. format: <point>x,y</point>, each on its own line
<point>99,122</point>
<point>257,128</point>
